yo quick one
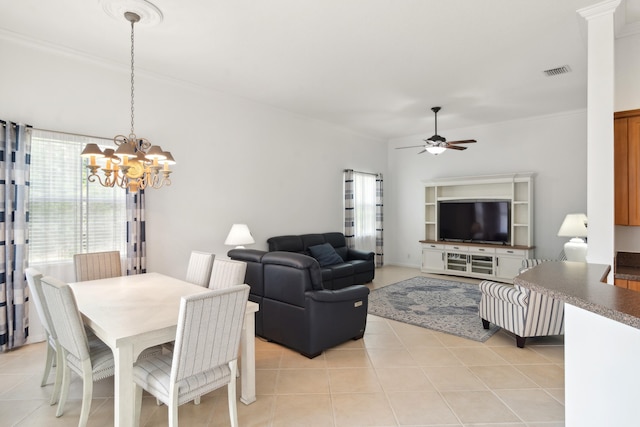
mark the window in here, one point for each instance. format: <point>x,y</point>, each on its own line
<point>364,206</point>
<point>67,214</point>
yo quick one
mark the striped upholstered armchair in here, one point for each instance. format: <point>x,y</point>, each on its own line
<point>521,311</point>
<point>532,262</point>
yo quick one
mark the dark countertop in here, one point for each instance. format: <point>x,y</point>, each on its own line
<point>627,266</point>
<point>581,285</point>
<point>627,273</point>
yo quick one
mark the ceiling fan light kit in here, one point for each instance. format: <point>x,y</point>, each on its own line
<point>435,149</point>
<point>436,144</point>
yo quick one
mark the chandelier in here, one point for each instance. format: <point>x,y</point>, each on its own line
<point>136,164</point>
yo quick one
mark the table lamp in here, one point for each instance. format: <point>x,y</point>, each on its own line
<point>575,226</point>
<point>238,236</point>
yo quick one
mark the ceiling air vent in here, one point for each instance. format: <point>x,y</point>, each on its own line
<point>557,71</point>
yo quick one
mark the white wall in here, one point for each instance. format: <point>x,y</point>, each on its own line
<point>238,161</point>
<point>627,65</point>
<point>627,97</point>
<point>601,387</point>
<point>554,147</point>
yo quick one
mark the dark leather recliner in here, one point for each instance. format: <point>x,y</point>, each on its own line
<point>295,310</point>
<point>358,267</point>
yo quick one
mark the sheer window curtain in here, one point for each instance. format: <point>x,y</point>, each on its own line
<point>15,158</point>
<point>363,217</point>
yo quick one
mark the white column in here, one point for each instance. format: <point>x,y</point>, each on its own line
<point>600,105</point>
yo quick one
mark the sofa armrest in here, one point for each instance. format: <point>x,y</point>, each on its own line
<point>252,255</point>
<point>345,294</point>
<point>503,292</point>
<point>358,254</point>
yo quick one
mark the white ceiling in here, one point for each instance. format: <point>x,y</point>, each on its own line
<point>373,66</point>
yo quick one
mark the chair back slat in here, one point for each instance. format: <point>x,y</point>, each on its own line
<point>227,272</point>
<point>199,268</point>
<point>65,317</point>
<point>34,278</point>
<point>97,265</point>
<point>208,333</point>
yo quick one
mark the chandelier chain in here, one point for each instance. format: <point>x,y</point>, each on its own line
<point>134,163</point>
<point>132,78</point>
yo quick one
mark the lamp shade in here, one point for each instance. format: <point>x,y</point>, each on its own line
<point>239,235</point>
<point>574,225</point>
<point>91,150</point>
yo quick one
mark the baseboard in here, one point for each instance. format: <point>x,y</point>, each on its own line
<point>399,264</point>
<point>32,339</point>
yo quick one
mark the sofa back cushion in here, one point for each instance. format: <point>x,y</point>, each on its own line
<point>338,242</point>
<point>311,240</point>
<point>336,239</point>
<point>286,243</point>
<point>302,243</point>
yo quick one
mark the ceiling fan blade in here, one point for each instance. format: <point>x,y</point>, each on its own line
<point>455,147</point>
<point>413,146</point>
<point>424,150</point>
<point>463,141</point>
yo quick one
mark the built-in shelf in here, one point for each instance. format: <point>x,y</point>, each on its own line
<point>500,262</point>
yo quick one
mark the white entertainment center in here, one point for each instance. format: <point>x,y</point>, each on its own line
<point>481,260</point>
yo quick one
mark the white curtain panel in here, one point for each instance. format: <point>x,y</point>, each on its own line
<point>363,215</point>
<point>365,211</point>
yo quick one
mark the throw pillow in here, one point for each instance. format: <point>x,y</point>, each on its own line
<point>325,254</point>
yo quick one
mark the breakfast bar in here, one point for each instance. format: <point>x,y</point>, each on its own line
<point>602,341</point>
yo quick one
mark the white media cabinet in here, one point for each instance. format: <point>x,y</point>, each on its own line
<point>486,261</point>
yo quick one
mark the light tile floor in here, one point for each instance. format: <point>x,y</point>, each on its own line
<point>397,375</point>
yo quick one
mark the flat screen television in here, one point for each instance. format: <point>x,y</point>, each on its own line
<point>480,221</point>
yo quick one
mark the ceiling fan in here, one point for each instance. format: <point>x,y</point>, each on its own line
<point>437,144</point>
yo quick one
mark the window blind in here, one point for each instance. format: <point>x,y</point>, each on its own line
<point>67,214</point>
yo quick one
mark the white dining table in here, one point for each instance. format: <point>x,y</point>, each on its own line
<point>132,313</point>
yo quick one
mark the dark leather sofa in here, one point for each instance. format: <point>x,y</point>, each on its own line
<point>353,268</point>
<point>295,310</point>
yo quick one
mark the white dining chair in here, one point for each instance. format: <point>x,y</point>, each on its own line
<point>37,298</point>
<point>97,265</point>
<point>224,273</point>
<point>227,272</point>
<point>199,268</point>
<point>93,360</point>
<point>198,273</point>
<point>204,356</point>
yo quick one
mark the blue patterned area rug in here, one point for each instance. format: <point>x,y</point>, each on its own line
<point>441,305</point>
